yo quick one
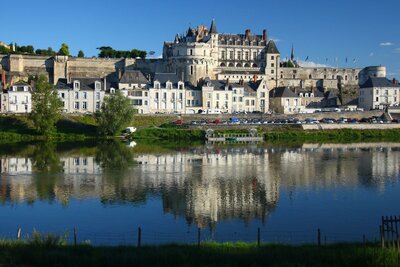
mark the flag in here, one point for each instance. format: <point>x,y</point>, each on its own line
<point>306,58</point>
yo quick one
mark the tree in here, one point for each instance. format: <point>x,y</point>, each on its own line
<point>64,50</point>
<point>46,110</point>
<point>116,112</point>
<point>81,54</point>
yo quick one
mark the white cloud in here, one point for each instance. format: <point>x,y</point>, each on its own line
<point>311,64</point>
<point>386,44</point>
<point>371,54</point>
<point>275,39</point>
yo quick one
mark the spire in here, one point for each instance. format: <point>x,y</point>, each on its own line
<point>177,38</point>
<point>213,28</point>
<point>189,32</point>
<point>292,54</point>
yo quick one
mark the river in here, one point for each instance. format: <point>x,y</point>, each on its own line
<point>109,189</point>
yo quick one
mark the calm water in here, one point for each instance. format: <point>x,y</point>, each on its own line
<point>107,190</point>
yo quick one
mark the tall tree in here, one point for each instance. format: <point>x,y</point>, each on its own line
<point>64,50</point>
<point>116,112</point>
<point>46,110</point>
<point>81,54</point>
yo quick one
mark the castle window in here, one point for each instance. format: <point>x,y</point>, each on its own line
<point>191,52</point>
<point>272,71</point>
<point>254,55</point>
<point>222,54</point>
<point>204,52</point>
<point>239,55</point>
<point>333,77</point>
<point>246,55</point>
<point>191,70</point>
<point>272,65</point>
<point>272,57</point>
<point>222,65</point>
<point>97,85</point>
<point>324,77</point>
<point>231,56</point>
<point>345,78</point>
<point>255,65</point>
<point>310,76</point>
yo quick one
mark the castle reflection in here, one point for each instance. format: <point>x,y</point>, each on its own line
<point>203,184</point>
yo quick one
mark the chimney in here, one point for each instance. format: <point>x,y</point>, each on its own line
<point>119,74</point>
<point>264,36</point>
<point>69,78</point>
<point>227,82</point>
<point>254,78</point>
<point>394,81</point>
<point>3,78</point>
<point>247,34</point>
<point>105,83</point>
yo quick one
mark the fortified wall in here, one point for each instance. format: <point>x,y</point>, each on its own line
<point>21,67</point>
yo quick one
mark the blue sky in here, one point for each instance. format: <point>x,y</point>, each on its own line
<point>367,31</point>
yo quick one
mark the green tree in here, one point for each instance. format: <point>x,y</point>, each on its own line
<point>81,54</point>
<point>64,50</point>
<point>46,107</point>
<point>116,112</point>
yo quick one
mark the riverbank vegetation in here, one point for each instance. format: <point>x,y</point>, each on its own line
<point>47,253</point>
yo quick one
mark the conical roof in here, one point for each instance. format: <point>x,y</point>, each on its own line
<point>271,48</point>
<point>213,28</point>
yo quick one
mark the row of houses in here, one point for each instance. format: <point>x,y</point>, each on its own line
<point>167,93</point>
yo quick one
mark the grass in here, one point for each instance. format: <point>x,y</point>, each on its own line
<point>14,253</point>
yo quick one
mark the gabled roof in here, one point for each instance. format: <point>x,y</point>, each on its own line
<point>20,86</point>
<point>378,82</point>
<point>282,92</point>
<point>165,77</point>
<point>85,83</point>
<point>133,76</point>
<point>271,48</point>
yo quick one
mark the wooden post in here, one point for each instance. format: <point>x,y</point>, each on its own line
<point>19,233</point>
<point>258,237</point>
<point>198,237</point>
<point>319,237</point>
<point>382,236</point>
<point>74,236</point>
<point>139,239</point>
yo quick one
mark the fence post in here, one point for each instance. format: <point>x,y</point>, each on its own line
<point>258,237</point>
<point>74,236</point>
<point>139,239</point>
<point>198,237</point>
<point>382,235</point>
<point>319,237</point>
<point>19,233</point>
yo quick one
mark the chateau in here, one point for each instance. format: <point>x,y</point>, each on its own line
<point>194,67</point>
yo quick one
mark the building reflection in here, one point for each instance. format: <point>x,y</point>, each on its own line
<point>204,184</point>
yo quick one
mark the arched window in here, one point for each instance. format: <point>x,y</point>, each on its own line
<point>238,65</point>
<point>247,65</point>
<point>231,65</point>
<point>222,65</point>
<point>255,65</point>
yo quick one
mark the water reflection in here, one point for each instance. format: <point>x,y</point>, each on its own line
<point>202,184</point>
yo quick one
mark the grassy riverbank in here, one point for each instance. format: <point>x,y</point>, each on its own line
<point>208,254</point>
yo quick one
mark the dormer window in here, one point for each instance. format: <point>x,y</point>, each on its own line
<point>14,88</point>
<point>169,85</point>
<point>25,88</point>
<point>77,85</point>
<point>112,91</point>
<point>180,85</point>
<point>97,85</point>
<point>156,85</point>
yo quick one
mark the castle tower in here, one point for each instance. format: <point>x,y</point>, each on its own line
<point>272,61</point>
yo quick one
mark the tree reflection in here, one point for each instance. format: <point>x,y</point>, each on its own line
<point>47,165</point>
<point>113,155</point>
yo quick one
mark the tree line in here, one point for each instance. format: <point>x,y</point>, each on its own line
<point>105,51</point>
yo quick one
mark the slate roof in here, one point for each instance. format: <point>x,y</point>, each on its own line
<point>271,48</point>
<point>164,77</point>
<point>213,28</point>
<point>133,76</point>
<point>282,92</point>
<point>378,82</point>
<point>20,86</point>
<point>85,84</point>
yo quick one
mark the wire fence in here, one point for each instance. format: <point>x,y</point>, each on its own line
<point>139,237</point>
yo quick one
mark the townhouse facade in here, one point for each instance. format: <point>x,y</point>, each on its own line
<point>379,93</point>
<point>16,99</point>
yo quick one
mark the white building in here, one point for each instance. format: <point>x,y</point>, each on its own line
<point>235,97</point>
<point>17,99</point>
<point>82,95</point>
<point>378,93</point>
<point>135,86</point>
<point>283,100</point>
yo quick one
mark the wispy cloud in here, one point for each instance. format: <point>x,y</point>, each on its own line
<point>371,54</point>
<point>311,64</point>
<point>275,39</point>
<point>386,44</point>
